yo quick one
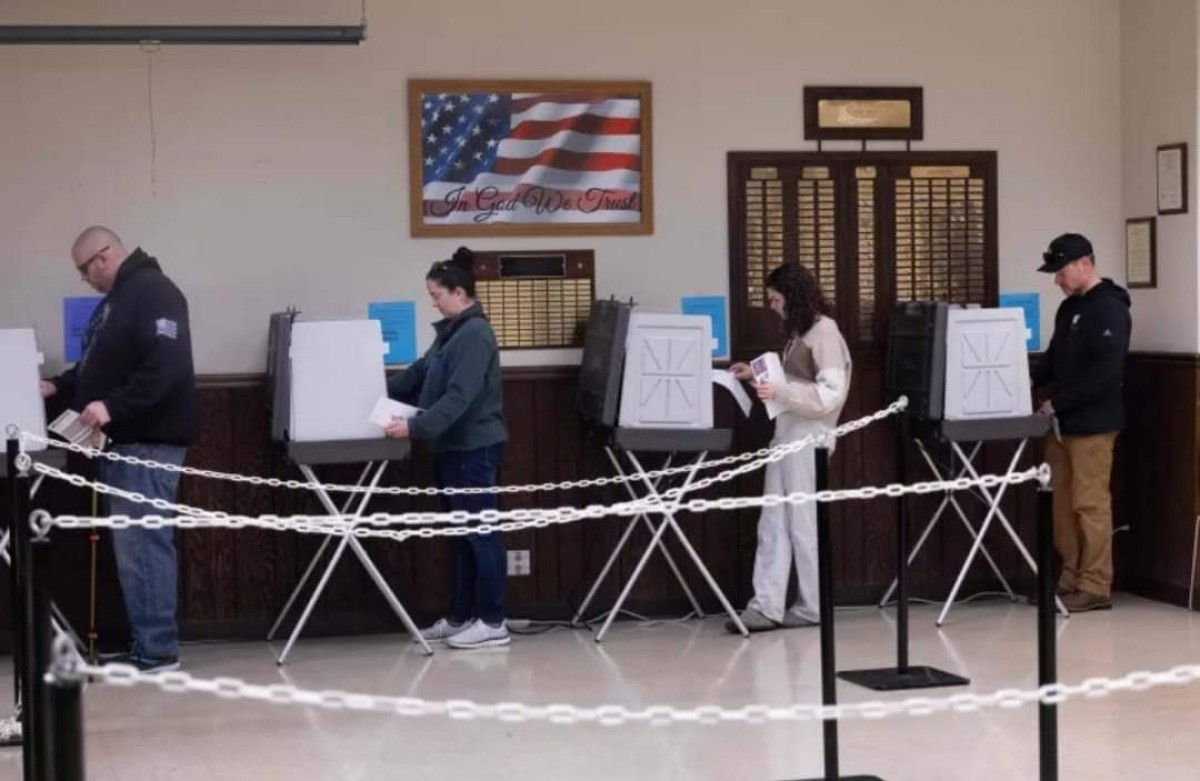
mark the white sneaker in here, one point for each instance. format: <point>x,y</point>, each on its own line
<point>479,634</point>
<point>440,630</point>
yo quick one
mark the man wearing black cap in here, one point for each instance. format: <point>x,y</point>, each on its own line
<point>1079,381</point>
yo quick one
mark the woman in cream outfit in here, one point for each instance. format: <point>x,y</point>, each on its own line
<point>817,363</point>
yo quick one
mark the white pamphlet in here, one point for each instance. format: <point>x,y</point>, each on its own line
<point>388,411</point>
<point>768,368</point>
<point>734,386</point>
<point>70,427</point>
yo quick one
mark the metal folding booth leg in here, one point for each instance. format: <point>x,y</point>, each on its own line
<point>312,565</point>
<point>667,511</point>
<point>949,500</point>
<point>348,539</point>
<point>994,513</point>
<point>640,519</point>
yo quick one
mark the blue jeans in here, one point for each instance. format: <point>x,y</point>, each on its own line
<point>146,562</point>
<point>481,565</point>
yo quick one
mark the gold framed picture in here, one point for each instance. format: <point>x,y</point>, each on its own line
<point>529,158</point>
<point>1171,175</point>
<point>1141,253</point>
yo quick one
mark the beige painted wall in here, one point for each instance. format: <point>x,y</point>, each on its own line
<point>280,172</point>
<point>1158,106</point>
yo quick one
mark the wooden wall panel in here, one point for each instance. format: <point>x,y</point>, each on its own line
<point>1156,495</point>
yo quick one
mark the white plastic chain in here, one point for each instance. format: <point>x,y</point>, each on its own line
<point>495,520</point>
<point>612,715</point>
<point>763,455</point>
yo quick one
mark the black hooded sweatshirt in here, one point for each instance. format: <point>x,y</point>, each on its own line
<point>137,359</point>
<point>1083,370</point>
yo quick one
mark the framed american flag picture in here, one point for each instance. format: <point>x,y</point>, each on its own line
<point>525,158</point>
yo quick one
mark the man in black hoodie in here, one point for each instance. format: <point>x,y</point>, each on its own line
<point>135,381</point>
<point>1079,380</point>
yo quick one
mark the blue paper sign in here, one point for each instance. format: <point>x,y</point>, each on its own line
<point>77,313</point>
<point>1033,316</point>
<point>398,319</point>
<point>714,307</point>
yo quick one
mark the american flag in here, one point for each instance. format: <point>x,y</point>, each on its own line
<point>490,157</point>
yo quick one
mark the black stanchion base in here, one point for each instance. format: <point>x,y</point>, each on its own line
<point>888,679</point>
<point>845,778</point>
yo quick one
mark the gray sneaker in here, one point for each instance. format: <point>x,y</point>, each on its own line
<point>440,630</point>
<point>793,621</point>
<point>479,634</point>
<point>754,621</point>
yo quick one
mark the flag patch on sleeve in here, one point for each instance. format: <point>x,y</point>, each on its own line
<point>167,328</point>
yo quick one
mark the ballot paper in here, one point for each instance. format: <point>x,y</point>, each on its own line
<point>734,386</point>
<point>768,368</point>
<point>388,411</point>
<point>71,427</point>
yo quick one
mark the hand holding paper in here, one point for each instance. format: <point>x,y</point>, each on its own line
<point>388,411</point>
<point>768,369</point>
<point>70,426</point>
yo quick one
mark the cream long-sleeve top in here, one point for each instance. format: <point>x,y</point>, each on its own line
<point>818,368</point>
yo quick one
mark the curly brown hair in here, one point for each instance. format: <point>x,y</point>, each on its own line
<point>803,300</point>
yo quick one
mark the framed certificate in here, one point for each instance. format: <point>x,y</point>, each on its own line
<point>1172,179</point>
<point>1141,262</point>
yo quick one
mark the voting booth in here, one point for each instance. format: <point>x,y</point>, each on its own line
<point>646,387</point>
<point>968,371</point>
<point>324,379</point>
<point>21,403</point>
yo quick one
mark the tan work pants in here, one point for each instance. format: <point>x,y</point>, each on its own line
<point>1081,468</point>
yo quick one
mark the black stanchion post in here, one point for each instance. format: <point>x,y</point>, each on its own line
<point>902,550</point>
<point>38,627</point>
<point>13,506</point>
<point>1047,641</point>
<point>828,648</point>
<point>30,673</point>
<point>65,701</point>
<point>65,704</point>
<point>23,640</point>
<point>902,676</point>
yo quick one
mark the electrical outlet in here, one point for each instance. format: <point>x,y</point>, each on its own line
<point>518,562</point>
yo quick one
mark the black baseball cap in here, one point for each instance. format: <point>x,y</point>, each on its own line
<point>1064,249</point>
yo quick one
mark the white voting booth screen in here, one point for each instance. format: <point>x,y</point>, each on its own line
<point>337,377</point>
<point>20,397</point>
<point>668,372</point>
<point>987,368</point>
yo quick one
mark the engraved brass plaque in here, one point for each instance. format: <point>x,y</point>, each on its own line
<point>864,113</point>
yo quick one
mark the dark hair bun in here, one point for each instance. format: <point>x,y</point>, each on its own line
<point>464,259</point>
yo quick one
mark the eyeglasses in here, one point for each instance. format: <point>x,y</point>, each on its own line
<point>83,267</point>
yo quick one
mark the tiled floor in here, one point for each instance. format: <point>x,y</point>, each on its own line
<point>145,735</point>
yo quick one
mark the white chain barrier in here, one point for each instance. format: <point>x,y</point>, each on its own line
<point>488,521</point>
<point>613,715</point>
<point>759,457</point>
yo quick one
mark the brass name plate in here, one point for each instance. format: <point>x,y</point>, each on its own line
<point>764,172</point>
<point>940,172</point>
<point>864,113</point>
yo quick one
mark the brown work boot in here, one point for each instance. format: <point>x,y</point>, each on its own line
<point>1084,601</point>
<point>1063,591</point>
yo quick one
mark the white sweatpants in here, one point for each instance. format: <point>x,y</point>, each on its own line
<point>787,534</point>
